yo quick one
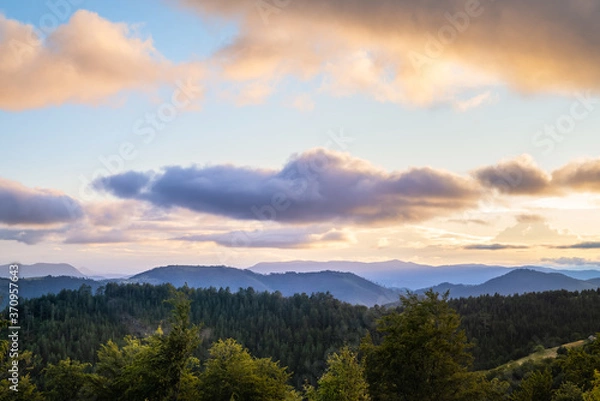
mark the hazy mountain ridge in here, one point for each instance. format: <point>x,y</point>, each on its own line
<point>343,285</point>
<point>37,286</point>
<point>396,273</point>
<point>346,287</point>
<point>518,282</point>
<point>42,270</point>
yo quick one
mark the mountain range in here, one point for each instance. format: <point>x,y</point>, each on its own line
<point>399,274</point>
<point>344,285</point>
<point>518,281</point>
<point>42,269</point>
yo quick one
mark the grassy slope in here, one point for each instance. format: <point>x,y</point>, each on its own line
<point>540,355</point>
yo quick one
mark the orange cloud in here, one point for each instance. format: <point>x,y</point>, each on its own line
<point>413,51</point>
<point>582,176</point>
<point>84,61</point>
<point>519,176</point>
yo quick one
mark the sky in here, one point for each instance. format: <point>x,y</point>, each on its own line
<point>233,132</point>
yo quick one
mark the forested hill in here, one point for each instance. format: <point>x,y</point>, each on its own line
<point>346,287</point>
<point>300,331</point>
<point>396,273</point>
<point>518,282</point>
<point>200,349</point>
<point>42,270</point>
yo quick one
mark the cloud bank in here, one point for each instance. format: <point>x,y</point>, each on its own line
<point>26,206</point>
<point>521,176</point>
<point>315,186</point>
<point>413,51</point>
<point>85,60</point>
<point>283,238</point>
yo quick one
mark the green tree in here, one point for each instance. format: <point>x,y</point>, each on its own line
<point>65,380</point>
<point>580,363</point>
<point>153,368</point>
<point>568,392</point>
<point>231,373</point>
<point>423,355</point>
<point>27,390</point>
<point>343,381</point>
<point>594,393</point>
<point>535,387</point>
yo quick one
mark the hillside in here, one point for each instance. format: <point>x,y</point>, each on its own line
<point>343,286</point>
<point>594,281</point>
<point>518,281</point>
<point>201,277</point>
<point>38,286</point>
<point>42,270</point>
<point>346,287</point>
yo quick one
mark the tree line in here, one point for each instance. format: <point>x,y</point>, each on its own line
<point>222,345</point>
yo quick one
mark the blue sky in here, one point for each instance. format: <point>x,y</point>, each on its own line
<point>271,95</point>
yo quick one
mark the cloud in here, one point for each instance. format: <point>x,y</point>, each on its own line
<point>519,176</point>
<point>470,221</point>
<point>493,247</point>
<point>530,218</point>
<point>474,102</point>
<point>29,237</point>
<point>93,236</point>
<point>111,214</point>
<point>383,243</point>
<point>22,205</point>
<point>533,230</point>
<point>315,186</point>
<point>287,238</point>
<point>580,245</point>
<point>570,261</point>
<point>303,102</point>
<point>126,185</point>
<point>414,51</point>
<point>581,176</point>
<point>83,61</point>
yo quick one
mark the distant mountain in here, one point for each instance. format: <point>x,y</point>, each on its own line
<point>42,270</point>
<point>399,274</point>
<point>578,274</point>
<point>42,278</point>
<point>393,273</point>
<point>201,277</point>
<point>518,281</point>
<point>104,276</point>
<point>346,287</point>
<point>38,286</point>
<point>594,281</point>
